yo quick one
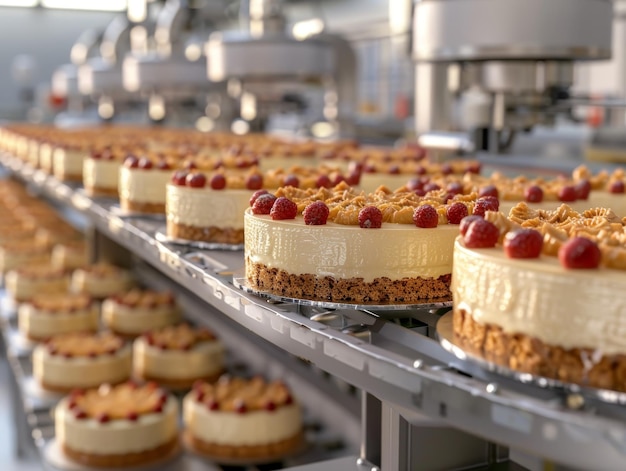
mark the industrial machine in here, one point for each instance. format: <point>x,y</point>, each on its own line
<point>487,70</point>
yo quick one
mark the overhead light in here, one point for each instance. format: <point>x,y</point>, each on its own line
<point>97,5</point>
<point>19,3</point>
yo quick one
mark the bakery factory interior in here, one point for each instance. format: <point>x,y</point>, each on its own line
<point>368,235</point>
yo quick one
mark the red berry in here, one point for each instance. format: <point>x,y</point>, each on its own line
<point>163,165</point>
<point>579,252</point>
<point>481,234</point>
<point>316,214</point>
<point>256,194</point>
<point>213,405</point>
<point>283,208</point>
<point>354,178</point>
<point>454,188</point>
<point>291,180</point>
<point>254,182</point>
<point>338,179</point>
<point>145,163</point>
<point>583,188</point>
<point>456,212</point>
<point>179,178</point>
<point>263,204</point>
<point>199,395</point>
<point>420,170</point>
<point>447,169</point>
<point>132,416</point>
<point>393,170</point>
<point>270,406</point>
<point>218,181</point>
<point>523,243</point>
<point>158,408</point>
<point>428,187</point>
<point>79,413</point>
<point>370,217</point>
<point>533,194</point>
<point>289,399</point>
<point>323,181</point>
<point>487,203</point>
<point>473,167</point>
<point>414,184</point>
<point>425,216</point>
<point>240,407</point>
<point>196,180</point>
<point>567,194</point>
<point>466,221</point>
<point>191,165</point>
<point>616,186</point>
<point>489,190</point>
<point>103,417</point>
<point>131,161</point>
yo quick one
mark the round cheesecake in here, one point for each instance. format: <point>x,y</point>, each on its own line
<point>339,261</point>
<point>137,311</point>
<point>25,282</point>
<point>80,360</point>
<point>69,255</point>
<point>241,418</point>
<point>101,174</point>
<point>177,356</point>
<point>143,189</point>
<point>52,314</point>
<point>123,425</point>
<point>21,253</point>
<point>539,315</point>
<point>101,280</point>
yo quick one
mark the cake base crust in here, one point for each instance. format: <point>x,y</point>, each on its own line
<point>126,459</point>
<point>353,290</point>
<point>264,453</point>
<point>526,354</point>
<point>69,177</point>
<point>218,235</point>
<point>136,207</point>
<point>179,383</point>
<point>101,191</point>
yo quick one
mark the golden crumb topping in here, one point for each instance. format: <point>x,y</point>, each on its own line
<point>83,344</point>
<point>178,337</point>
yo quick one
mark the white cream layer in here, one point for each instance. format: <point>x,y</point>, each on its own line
<point>395,251</point>
<point>248,429</point>
<point>42,324</point>
<point>539,298</point>
<point>101,174</point>
<point>204,359</point>
<point>81,372</point>
<point>67,162</point>
<point>206,207</point>
<point>99,286</point>
<point>46,151</point>
<point>143,186</point>
<point>116,437</point>
<point>137,320</point>
<point>22,287</point>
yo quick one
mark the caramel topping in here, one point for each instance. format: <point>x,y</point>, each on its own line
<point>124,401</point>
<point>242,395</point>
<point>179,337</point>
<point>103,270</point>
<point>84,344</point>
<point>144,298</point>
<point>61,303</point>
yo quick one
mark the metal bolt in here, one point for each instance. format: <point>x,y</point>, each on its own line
<point>492,388</point>
<point>575,401</point>
<point>375,468</point>
<point>418,364</point>
<point>360,461</point>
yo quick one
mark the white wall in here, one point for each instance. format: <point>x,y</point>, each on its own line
<point>46,35</point>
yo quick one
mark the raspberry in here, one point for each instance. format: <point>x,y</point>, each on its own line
<point>131,162</point>
<point>323,181</point>
<point>370,217</point>
<point>316,214</point>
<point>466,221</point>
<point>291,180</point>
<point>425,216</point>
<point>256,194</point>
<point>393,170</point>
<point>196,180</point>
<point>523,243</point>
<point>579,252</point>
<point>454,188</point>
<point>338,179</point>
<point>179,178</point>
<point>218,181</point>
<point>582,188</point>
<point>455,212</point>
<point>263,204</point>
<point>447,169</point>
<point>414,184</point>
<point>533,194</point>
<point>489,190</point>
<point>145,163</point>
<point>354,178</point>
<point>283,208</point>
<point>473,168</point>
<point>481,234</point>
<point>163,165</point>
<point>616,186</point>
<point>420,170</point>
<point>428,187</point>
<point>487,203</point>
<point>254,182</point>
<point>567,194</point>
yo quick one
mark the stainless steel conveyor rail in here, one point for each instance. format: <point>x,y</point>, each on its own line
<point>398,365</point>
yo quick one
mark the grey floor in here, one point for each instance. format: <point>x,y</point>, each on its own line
<point>8,460</point>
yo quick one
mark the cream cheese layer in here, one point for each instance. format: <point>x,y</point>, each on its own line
<point>252,428</point>
<point>119,436</point>
<point>102,174</point>
<point>202,360</point>
<point>81,372</point>
<point>98,286</point>
<point>395,251</point>
<point>22,287</point>
<point>42,324</point>
<point>539,298</point>
<point>204,207</point>
<point>143,186</point>
<point>67,162</point>
<point>137,320</point>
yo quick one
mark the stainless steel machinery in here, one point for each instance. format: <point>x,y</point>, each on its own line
<point>491,69</point>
